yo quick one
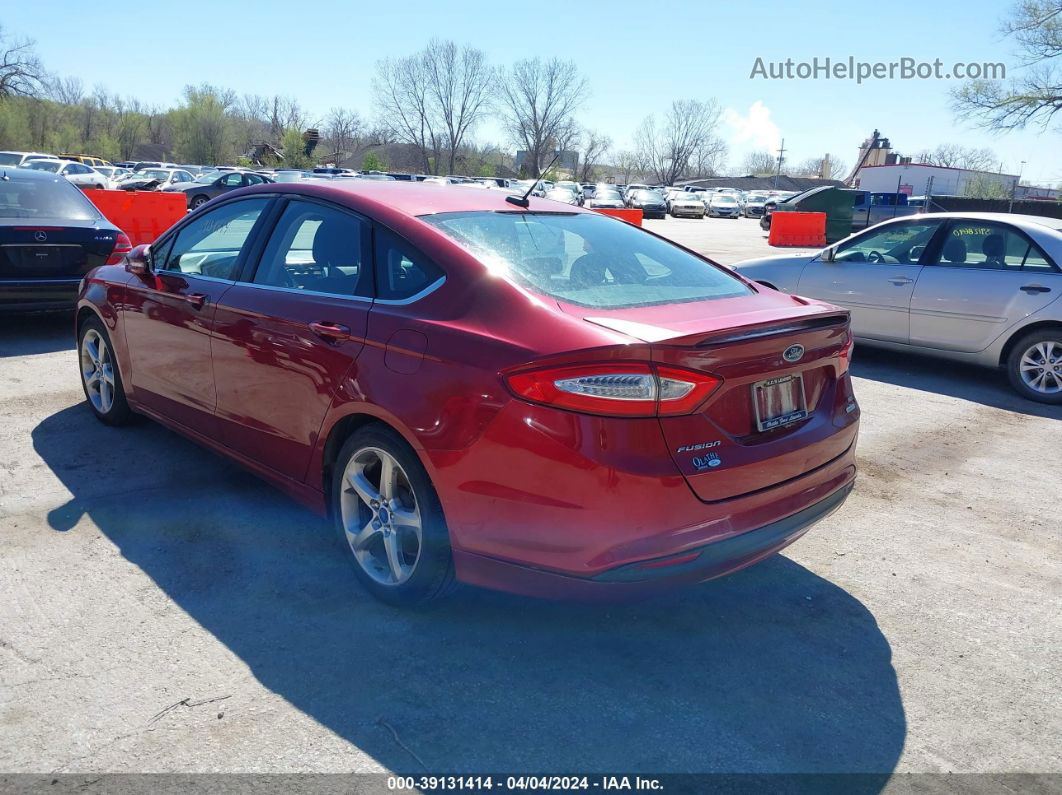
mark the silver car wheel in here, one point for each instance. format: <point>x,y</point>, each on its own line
<point>1041,367</point>
<point>381,517</point>
<point>97,371</point>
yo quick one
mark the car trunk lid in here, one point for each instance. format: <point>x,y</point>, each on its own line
<point>774,417</point>
<point>53,248</point>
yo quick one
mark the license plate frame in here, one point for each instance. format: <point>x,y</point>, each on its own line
<point>792,405</point>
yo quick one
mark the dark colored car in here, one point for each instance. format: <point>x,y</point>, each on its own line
<point>650,202</point>
<point>213,184</point>
<point>538,399</point>
<point>50,237</point>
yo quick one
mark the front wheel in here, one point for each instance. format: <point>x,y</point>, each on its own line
<point>1034,366</point>
<point>389,520</point>
<point>100,377</point>
<point>199,201</point>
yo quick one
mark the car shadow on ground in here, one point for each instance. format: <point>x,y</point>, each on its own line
<point>46,332</point>
<point>977,384</point>
<point>773,669</point>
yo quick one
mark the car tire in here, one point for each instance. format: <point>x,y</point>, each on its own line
<point>1037,355</point>
<point>198,201</point>
<point>399,548</point>
<point>100,376</point>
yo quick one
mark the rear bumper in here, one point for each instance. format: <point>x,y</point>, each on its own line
<point>24,295</point>
<point>698,564</point>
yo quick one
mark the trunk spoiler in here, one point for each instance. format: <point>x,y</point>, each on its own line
<point>759,324</point>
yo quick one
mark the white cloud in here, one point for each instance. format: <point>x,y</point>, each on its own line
<point>754,130</point>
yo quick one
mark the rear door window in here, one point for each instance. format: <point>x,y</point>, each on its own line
<point>987,245</point>
<point>317,249</point>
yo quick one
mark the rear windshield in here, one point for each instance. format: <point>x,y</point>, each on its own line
<point>44,198</point>
<point>10,159</point>
<point>587,259</point>
<point>43,165</point>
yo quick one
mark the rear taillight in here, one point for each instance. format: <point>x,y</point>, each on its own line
<point>122,246</point>
<point>845,355</point>
<point>625,390</point>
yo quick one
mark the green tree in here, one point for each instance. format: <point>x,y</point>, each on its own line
<point>295,149</point>
<point>373,162</point>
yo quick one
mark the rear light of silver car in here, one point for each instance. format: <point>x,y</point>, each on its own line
<point>623,390</point>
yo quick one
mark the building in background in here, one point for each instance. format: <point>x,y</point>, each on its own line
<point>919,179</point>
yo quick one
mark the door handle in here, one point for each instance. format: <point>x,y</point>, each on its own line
<point>899,281</point>
<point>332,332</point>
<point>1032,289</point>
<point>196,299</point>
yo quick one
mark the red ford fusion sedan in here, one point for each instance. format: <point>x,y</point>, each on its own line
<point>538,399</point>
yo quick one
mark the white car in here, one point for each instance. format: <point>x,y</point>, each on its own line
<point>687,203</point>
<point>113,174</point>
<point>722,205</point>
<point>81,175</point>
<point>165,176</point>
<point>19,158</point>
<point>981,288</point>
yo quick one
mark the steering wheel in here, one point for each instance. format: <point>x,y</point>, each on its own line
<point>875,256</point>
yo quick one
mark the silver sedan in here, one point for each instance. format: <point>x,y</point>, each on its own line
<point>981,288</point>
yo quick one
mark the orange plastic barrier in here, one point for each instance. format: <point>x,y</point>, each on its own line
<point>630,216</point>
<point>797,229</point>
<point>143,215</point>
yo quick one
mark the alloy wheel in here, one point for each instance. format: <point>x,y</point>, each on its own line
<point>381,518</point>
<point>1041,367</point>
<point>97,370</point>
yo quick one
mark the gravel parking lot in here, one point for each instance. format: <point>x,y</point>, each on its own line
<point>165,611</point>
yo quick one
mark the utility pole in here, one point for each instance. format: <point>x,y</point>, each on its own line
<point>781,158</point>
<point>1014,187</point>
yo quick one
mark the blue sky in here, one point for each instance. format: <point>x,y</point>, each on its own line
<point>637,56</point>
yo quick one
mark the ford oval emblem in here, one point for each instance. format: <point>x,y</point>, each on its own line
<point>793,353</point>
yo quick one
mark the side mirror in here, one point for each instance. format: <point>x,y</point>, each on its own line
<point>827,254</point>
<point>138,260</point>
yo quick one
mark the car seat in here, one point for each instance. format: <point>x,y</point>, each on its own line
<point>994,248</point>
<point>954,251</point>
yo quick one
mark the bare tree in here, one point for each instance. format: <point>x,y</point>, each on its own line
<point>284,114</point>
<point>459,86</point>
<point>1035,95</point>
<point>538,101</point>
<point>21,72</point>
<point>66,90</point>
<point>595,147</point>
<point>632,165</point>
<point>958,156</point>
<point>813,166</point>
<point>687,134</point>
<point>404,104</point>
<point>343,132</point>
<point>759,163</point>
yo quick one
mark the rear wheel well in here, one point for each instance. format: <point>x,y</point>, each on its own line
<point>337,436</point>
<point>1025,330</point>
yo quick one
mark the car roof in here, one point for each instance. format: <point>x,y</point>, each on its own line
<point>1017,219</point>
<point>30,173</point>
<point>408,198</point>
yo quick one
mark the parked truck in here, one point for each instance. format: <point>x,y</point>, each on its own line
<point>847,210</point>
